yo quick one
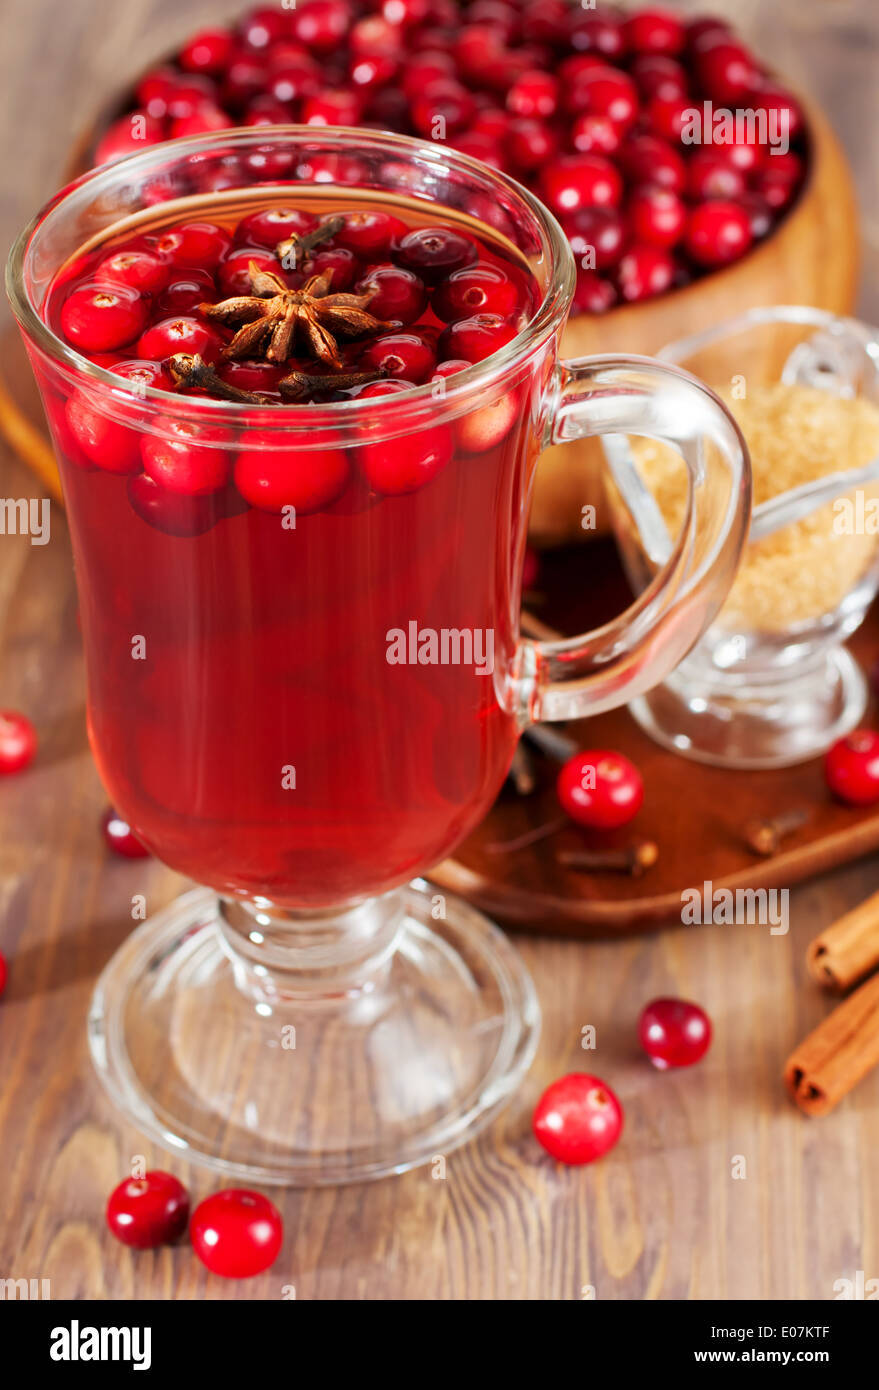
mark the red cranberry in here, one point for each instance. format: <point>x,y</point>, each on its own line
<point>597,237</point>
<point>181,334</point>
<point>578,1119</point>
<point>188,95</point>
<point>104,441</point>
<point>647,159</point>
<point>294,84</point>
<point>611,94</point>
<point>644,271</point>
<point>743,154</point>
<point>657,216</point>
<point>270,225</point>
<point>671,117</point>
<point>207,117</point>
<point>674,1033</point>
<point>534,94</point>
<point>257,375</point>
<point>781,106</point>
<point>183,457</point>
<point>481,147</point>
<point>405,464</point>
<point>654,31</point>
<point>717,233</point>
<point>851,768</point>
<point>727,72</point>
<point>372,71</point>
<point>207,51</point>
<point>778,180</point>
<point>577,181</point>
<point>182,295</point>
<point>485,427</point>
<point>148,1211</point>
<point>426,68</point>
<point>494,122</point>
<point>369,234</point>
<point>405,356</point>
<point>531,143</point>
<point>102,317</point>
<point>18,742</point>
<point>245,79</point>
<point>451,367</point>
<point>476,46</point>
<point>477,337</point>
<point>477,289</point>
<point>173,513</point>
<point>373,35</point>
<point>120,838</point>
<point>593,294</point>
<point>704,33</point>
<point>658,76</point>
<point>129,134</point>
<point>710,175</point>
<point>137,269</point>
<point>400,295</point>
<point>199,244</point>
<point>600,789</point>
<point>236,1233</point>
<point>595,135</point>
<point>433,252</point>
<point>591,32</point>
<point>261,27</point>
<point>273,474</point>
<point>342,265</point>
<point>442,109</point>
<point>339,107</point>
<point>266,110</point>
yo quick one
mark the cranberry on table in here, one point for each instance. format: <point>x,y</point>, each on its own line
<point>128,135</point>
<point>18,742</point>
<point>237,1233</point>
<point>674,1033</point>
<point>332,107</point>
<point>851,767</point>
<point>726,71</point>
<point>593,294</point>
<point>600,789</point>
<point>535,93</point>
<point>120,837</point>
<point>321,25</point>
<point>207,51</point>
<point>646,158</point>
<point>591,32</point>
<point>597,235</point>
<point>657,75</point>
<point>608,93</point>
<point>149,1211</point>
<point>578,1119</point>
<point>101,317</point>
<point>590,134</point>
<point>711,174</point>
<point>530,143</point>
<point>717,233</point>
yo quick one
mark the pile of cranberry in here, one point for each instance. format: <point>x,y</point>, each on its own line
<point>587,107</point>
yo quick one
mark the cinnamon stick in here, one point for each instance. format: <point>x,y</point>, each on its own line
<point>29,443</point>
<point>833,1059</point>
<point>848,950</point>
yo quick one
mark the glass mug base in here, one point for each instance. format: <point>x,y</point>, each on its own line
<point>375,1061</point>
<point>759,726</point>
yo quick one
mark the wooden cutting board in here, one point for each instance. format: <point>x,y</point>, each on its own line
<point>695,814</point>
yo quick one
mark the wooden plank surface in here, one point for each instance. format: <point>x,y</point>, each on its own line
<point>663,1216</point>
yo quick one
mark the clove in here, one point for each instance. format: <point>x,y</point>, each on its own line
<point>764,835</point>
<point>296,248</point>
<point>634,860</point>
<point>190,369</point>
<point>301,386</point>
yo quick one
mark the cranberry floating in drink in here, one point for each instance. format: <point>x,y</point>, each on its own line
<point>297,424</point>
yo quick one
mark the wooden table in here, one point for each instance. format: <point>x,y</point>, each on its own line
<point>663,1216</point>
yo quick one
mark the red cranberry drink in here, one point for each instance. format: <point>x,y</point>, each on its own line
<point>298,381</point>
<point>278,734</point>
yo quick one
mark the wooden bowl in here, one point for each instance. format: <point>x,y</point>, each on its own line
<point>810,258</point>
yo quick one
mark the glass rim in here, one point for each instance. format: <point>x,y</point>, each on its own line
<point>549,315</point>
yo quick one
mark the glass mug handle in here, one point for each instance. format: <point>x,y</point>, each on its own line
<point>580,676</point>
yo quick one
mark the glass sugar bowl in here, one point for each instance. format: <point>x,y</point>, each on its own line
<point>770,683</point>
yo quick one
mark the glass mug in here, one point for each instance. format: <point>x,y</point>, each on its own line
<point>304,713</point>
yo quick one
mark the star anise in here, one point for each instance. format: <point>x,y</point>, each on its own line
<point>273,317</point>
